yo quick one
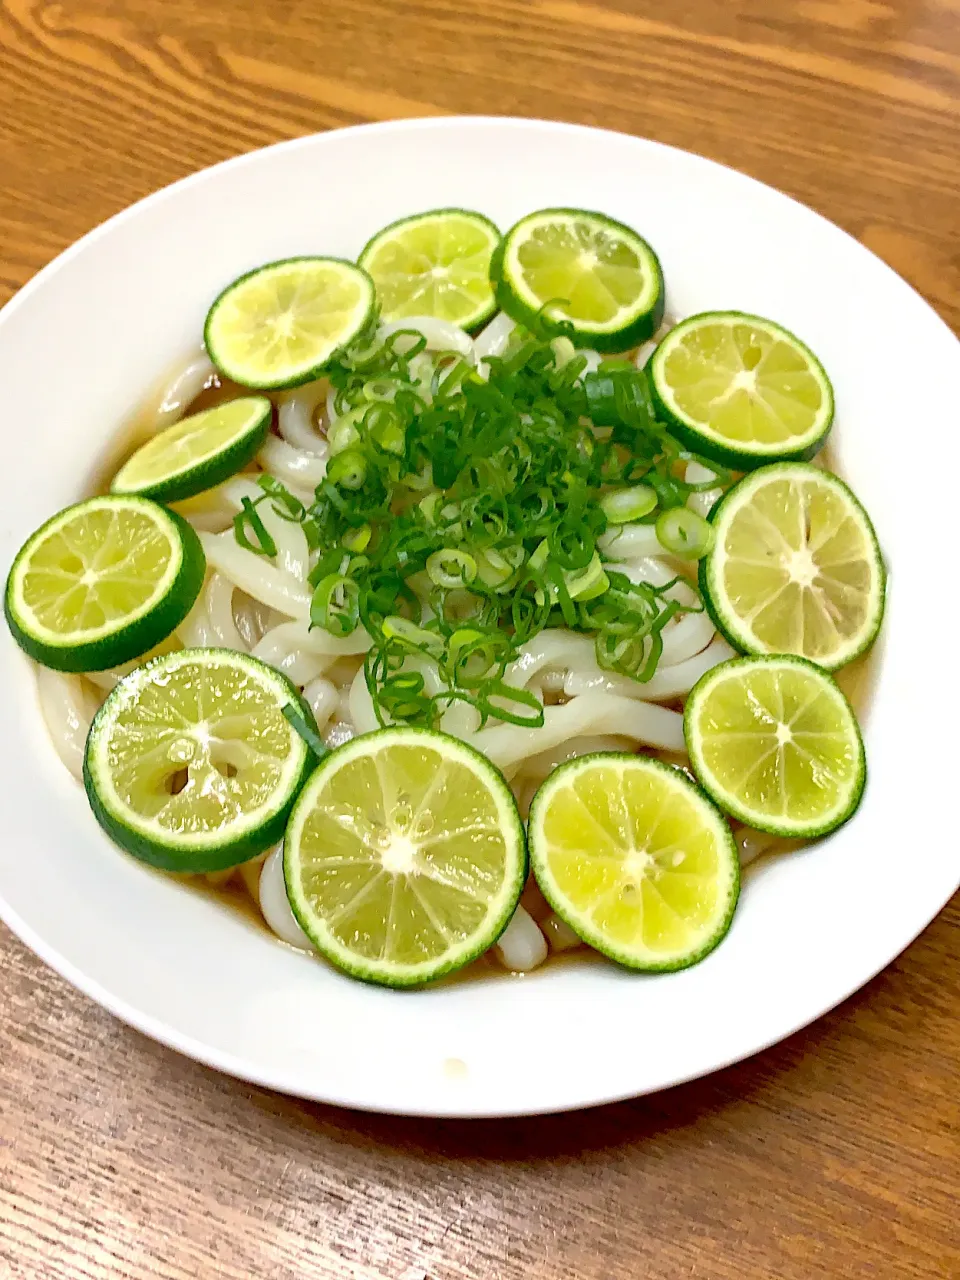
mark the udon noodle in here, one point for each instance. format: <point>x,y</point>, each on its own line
<point>261,606</point>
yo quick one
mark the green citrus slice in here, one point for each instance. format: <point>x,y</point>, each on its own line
<point>434,264</point>
<point>197,453</point>
<point>281,324</point>
<point>636,860</point>
<point>594,272</point>
<point>191,764</point>
<point>775,743</point>
<point>102,582</point>
<point>741,390</point>
<point>795,567</point>
<point>404,858</point>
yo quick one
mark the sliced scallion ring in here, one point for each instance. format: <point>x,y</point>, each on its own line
<point>683,533</point>
<point>451,568</point>
<point>621,506</point>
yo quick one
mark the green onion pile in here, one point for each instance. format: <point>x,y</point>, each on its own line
<point>460,516</point>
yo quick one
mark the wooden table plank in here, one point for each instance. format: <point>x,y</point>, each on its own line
<point>835,1154</point>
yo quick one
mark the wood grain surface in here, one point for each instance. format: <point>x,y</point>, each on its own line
<point>836,1154</point>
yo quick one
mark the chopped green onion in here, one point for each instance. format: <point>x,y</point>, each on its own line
<point>588,583</point>
<point>336,605</point>
<point>428,506</point>
<point>619,394</point>
<point>410,635</point>
<point>496,568</point>
<point>344,433</point>
<point>261,543</point>
<point>382,425</point>
<point>358,539</point>
<point>460,517</point>
<point>285,504</point>
<point>564,351</point>
<point>403,697</point>
<point>625,505</point>
<point>451,568</point>
<point>453,376</point>
<point>306,732</point>
<point>348,470</point>
<point>540,556</point>
<point>419,480</point>
<point>475,657</point>
<point>684,533</point>
<point>503,701</point>
<point>379,389</point>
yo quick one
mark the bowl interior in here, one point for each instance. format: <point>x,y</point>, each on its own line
<point>83,343</point>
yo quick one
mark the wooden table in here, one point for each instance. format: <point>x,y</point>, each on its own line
<point>836,1154</point>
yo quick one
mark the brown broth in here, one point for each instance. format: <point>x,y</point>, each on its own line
<point>141,423</point>
<point>235,897</point>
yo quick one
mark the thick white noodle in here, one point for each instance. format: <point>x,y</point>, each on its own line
<point>67,710</point>
<point>440,334</point>
<point>537,767</point>
<point>245,486</point>
<point>293,554</point>
<point>644,352</point>
<point>460,719</point>
<point>554,648</point>
<point>266,583</point>
<point>593,359</point>
<point>701,503</point>
<point>330,413</point>
<point>275,905</point>
<point>296,417</point>
<point>685,636</point>
<point>218,601</point>
<point>574,654</point>
<point>301,667</point>
<point>548,682</point>
<point>291,636</point>
<point>192,378</point>
<point>250,875</point>
<point>559,935</point>
<point>292,466</point>
<point>508,746</point>
<point>492,341</point>
<point>105,680</point>
<point>521,947</point>
<point>493,338</point>
<point>688,633</point>
<point>323,699</point>
<point>111,677</point>
<point>631,541</point>
<point>652,569</point>
<point>339,732</point>
<point>209,511</point>
<point>234,491</point>
<point>666,682</point>
<point>253,619</point>
<point>284,647</point>
<point>195,631</point>
<point>360,705</point>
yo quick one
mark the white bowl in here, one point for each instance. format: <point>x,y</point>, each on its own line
<point>82,342</point>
